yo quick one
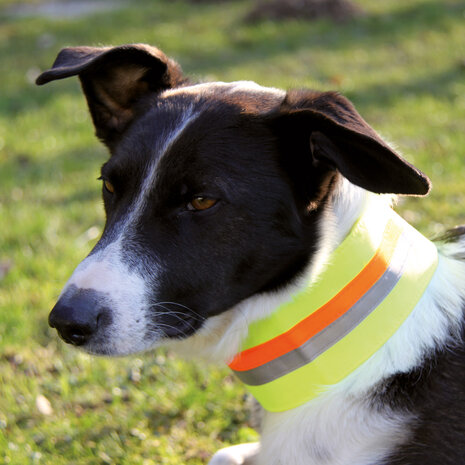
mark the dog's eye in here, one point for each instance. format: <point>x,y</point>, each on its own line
<point>201,203</point>
<point>108,186</point>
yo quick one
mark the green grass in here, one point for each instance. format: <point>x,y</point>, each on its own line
<point>403,66</point>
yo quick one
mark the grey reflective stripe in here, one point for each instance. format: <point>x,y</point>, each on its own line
<point>334,332</point>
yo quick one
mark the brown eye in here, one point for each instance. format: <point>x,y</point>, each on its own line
<point>108,186</point>
<point>201,203</point>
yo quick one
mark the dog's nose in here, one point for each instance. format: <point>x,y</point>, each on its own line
<point>76,315</point>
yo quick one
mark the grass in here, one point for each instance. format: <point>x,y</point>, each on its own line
<point>403,66</point>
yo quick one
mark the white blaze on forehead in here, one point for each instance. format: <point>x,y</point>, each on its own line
<point>168,139</point>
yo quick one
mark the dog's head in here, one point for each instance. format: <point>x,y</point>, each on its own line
<point>212,193</point>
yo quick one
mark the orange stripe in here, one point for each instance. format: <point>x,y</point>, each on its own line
<point>327,313</point>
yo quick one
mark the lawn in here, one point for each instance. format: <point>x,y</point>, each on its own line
<point>402,64</point>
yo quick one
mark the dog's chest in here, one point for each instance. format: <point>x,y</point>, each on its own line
<point>336,430</point>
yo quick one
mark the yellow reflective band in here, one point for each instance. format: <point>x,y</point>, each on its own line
<point>379,273</point>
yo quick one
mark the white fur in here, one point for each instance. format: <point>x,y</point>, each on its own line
<point>335,429</point>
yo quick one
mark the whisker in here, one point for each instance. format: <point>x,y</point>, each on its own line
<point>183,306</point>
<point>192,313</point>
<point>159,329</point>
<point>177,315</point>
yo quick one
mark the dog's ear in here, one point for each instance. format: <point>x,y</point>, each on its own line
<point>114,81</point>
<point>338,138</point>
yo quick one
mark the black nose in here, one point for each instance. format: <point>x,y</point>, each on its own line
<point>76,316</point>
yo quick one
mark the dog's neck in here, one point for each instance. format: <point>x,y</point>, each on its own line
<point>372,283</point>
<point>344,208</point>
<point>345,425</point>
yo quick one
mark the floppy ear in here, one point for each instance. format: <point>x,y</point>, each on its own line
<point>338,138</point>
<point>114,81</point>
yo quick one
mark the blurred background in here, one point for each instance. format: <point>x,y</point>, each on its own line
<point>401,63</point>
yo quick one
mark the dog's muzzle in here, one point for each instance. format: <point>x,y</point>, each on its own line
<point>79,315</point>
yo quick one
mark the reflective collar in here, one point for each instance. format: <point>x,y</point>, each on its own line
<point>371,284</point>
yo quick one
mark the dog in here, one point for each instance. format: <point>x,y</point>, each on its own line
<point>225,201</point>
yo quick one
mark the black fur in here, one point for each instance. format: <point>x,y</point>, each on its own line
<point>250,242</point>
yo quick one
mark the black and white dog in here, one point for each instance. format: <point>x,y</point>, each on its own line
<point>221,199</point>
